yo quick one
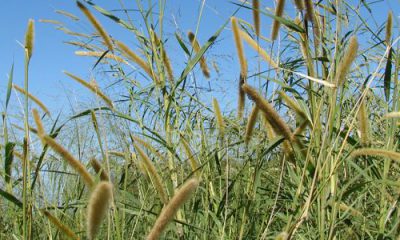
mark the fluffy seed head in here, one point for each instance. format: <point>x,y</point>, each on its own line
<point>256,16</point>
<point>33,98</point>
<point>29,38</point>
<point>345,63</point>
<point>376,152</point>
<point>97,207</point>
<point>218,116</point>
<point>99,170</point>
<point>66,230</point>
<point>96,24</point>
<point>169,211</point>
<point>276,24</point>
<point>250,124</point>
<point>196,48</point>
<point>389,25</point>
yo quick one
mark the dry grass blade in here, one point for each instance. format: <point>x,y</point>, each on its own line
<point>196,48</point>
<point>96,24</point>
<point>33,98</point>
<point>97,207</point>
<point>63,228</point>
<point>169,211</point>
<point>93,88</point>
<point>72,161</point>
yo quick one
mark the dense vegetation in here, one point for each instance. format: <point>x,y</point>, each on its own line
<point>310,152</point>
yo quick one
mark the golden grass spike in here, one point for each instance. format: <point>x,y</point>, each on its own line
<point>189,154</point>
<point>376,152</point>
<point>148,146</point>
<point>219,117</point>
<point>300,129</point>
<point>196,48</point>
<point>116,153</point>
<point>272,116</point>
<point>389,25</point>
<point>67,14</point>
<point>276,24</point>
<point>392,115</point>
<point>169,211</point>
<point>250,123</point>
<point>99,54</point>
<point>136,59</point>
<point>363,123</point>
<point>39,124</point>
<point>72,161</point>
<point>309,10</point>
<point>299,4</point>
<point>292,104</point>
<point>256,16</point>
<point>96,24</point>
<point>33,98</point>
<point>93,88</point>
<point>99,170</point>
<point>257,47</point>
<point>63,228</point>
<point>97,207</point>
<point>345,63</point>
<point>243,66</point>
<point>165,58</point>
<point>282,236</point>
<point>50,21</point>
<point>239,47</point>
<point>29,38</point>
<point>152,172</point>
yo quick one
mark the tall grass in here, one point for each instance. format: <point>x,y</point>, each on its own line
<point>315,156</point>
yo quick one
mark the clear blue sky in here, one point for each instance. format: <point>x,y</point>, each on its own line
<point>51,55</point>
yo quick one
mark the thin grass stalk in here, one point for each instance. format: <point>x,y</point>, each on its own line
<point>170,210</point>
<point>196,48</point>
<point>280,5</point>
<point>152,172</point>
<point>71,160</point>
<point>96,24</point>
<point>62,227</point>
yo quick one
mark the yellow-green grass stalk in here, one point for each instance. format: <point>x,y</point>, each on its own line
<point>33,98</point>
<point>196,48</point>
<point>93,88</point>
<point>170,210</point>
<point>96,24</point>
<point>152,172</point>
<point>62,227</point>
<point>97,208</point>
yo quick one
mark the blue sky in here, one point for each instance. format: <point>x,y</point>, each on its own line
<point>51,55</point>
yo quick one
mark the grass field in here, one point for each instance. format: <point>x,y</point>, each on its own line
<point>311,151</point>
